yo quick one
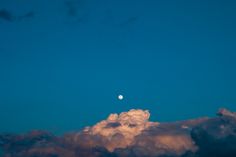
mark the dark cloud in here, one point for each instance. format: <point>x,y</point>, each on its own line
<point>6,15</point>
<point>203,137</point>
<point>113,125</point>
<point>10,17</point>
<point>216,137</point>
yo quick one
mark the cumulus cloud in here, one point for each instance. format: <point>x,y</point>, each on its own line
<point>121,128</point>
<point>224,112</point>
<point>132,134</point>
<point>217,136</point>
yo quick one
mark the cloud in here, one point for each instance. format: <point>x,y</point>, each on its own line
<point>164,139</point>
<point>132,134</point>
<point>6,15</point>
<point>216,137</point>
<point>10,17</point>
<point>126,126</point>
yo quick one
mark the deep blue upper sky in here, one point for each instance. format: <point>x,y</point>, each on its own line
<point>63,63</point>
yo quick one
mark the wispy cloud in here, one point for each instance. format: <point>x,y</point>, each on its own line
<point>6,15</point>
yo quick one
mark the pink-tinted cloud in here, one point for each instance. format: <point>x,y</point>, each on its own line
<point>131,134</point>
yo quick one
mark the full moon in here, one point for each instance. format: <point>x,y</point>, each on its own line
<point>120,97</point>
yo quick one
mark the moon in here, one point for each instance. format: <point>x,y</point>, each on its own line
<point>120,97</point>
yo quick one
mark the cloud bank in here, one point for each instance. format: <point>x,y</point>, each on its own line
<point>131,134</point>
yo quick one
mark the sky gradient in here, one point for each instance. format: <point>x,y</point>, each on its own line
<point>63,64</point>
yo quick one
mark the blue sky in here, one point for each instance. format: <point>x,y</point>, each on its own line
<point>63,63</point>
